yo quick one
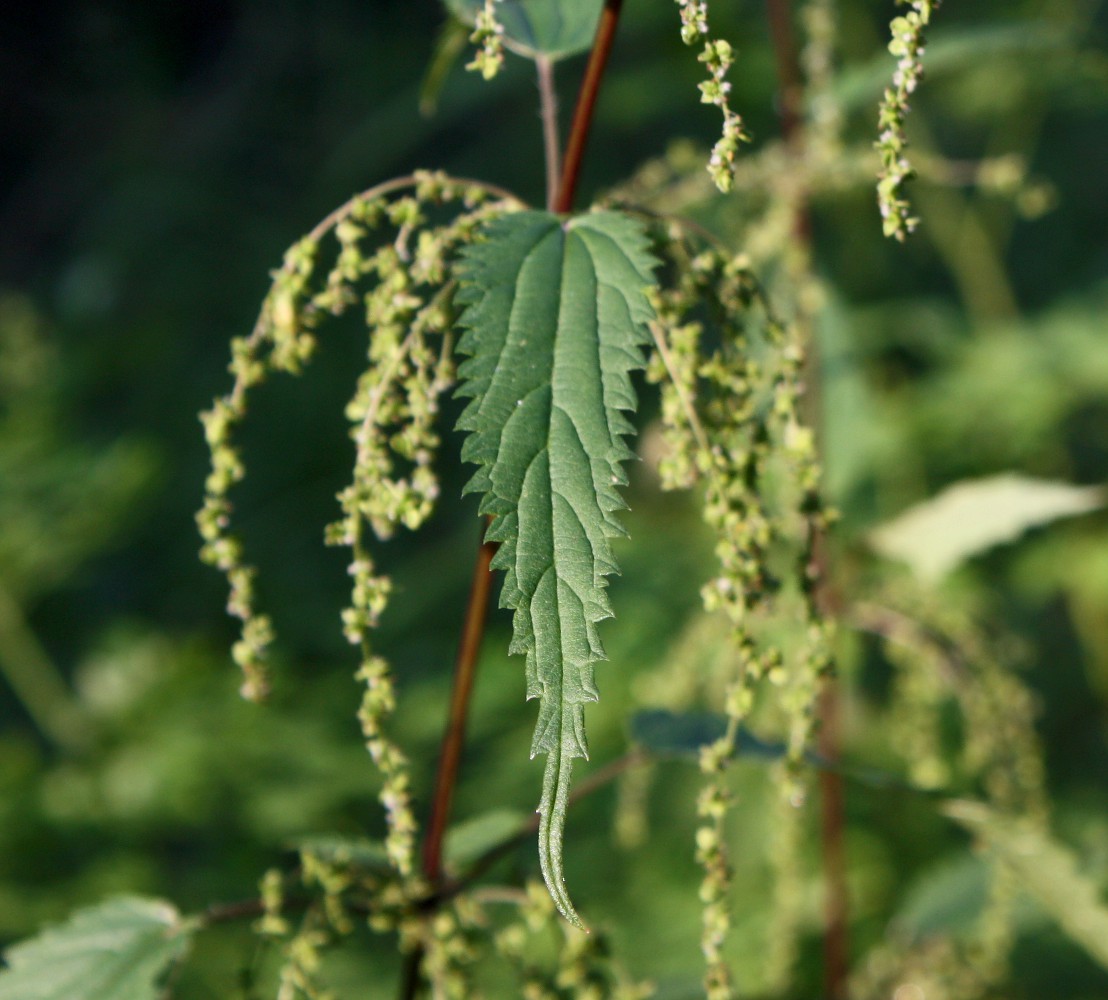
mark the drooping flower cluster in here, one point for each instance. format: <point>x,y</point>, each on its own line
<point>488,36</point>
<point>718,57</point>
<point>907,45</point>
<point>407,308</point>
<point>731,422</point>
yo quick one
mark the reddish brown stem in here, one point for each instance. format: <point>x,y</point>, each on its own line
<point>789,81</point>
<point>453,740</point>
<point>465,668</point>
<point>586,104</point>
<point>836,966</point>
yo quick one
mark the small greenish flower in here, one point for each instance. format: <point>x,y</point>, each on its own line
<point>488,35</point>
<point>718,57</point>
<point>907,44</point>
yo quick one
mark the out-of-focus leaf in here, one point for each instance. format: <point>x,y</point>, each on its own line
<point>470,839</point>
<point>450,44</point>
<point>970,517</point>
<point>1046,870</point>
<point>673,734</point>
<point>362,852</point>
<point>947,898</point>
<point>119,950</point>
<point>684,734</point>
<point>551,28</point>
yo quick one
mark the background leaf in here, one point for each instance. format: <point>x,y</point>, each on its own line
<point>967,518</point>
<point>556,318</point>
<point>685,734</point>
<point>357,852</point>
<point>119,950</point>
<point>468,840</point>
<point>1046,870</point>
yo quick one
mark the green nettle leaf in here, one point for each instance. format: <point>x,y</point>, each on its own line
<point>552,28</point>
<point>555,320</point>
<point>119,950</point>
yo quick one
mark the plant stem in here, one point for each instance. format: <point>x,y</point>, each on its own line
<point>832,807</point>
<point>548,110</point>
<point>465,666</point>
<point>789,82</point>
<point>586,104</point>
<point>453,740</point>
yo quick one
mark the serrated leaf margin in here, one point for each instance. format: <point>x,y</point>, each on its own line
<point>127,943</point>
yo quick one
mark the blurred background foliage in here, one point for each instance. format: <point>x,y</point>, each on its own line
<point>156,159</point>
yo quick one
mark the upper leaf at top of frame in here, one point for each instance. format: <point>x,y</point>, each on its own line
<point>552,28</point>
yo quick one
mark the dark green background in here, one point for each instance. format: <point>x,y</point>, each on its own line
<point>157,159</point>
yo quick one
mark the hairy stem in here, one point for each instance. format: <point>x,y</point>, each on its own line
<point>453,740</point>
<point>832,808</point>
<point>586,104</point>
<point>548,110</point>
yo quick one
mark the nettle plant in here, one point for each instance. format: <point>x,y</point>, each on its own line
<point>538,318</point>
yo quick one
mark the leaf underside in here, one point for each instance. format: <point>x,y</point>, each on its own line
<point>555,320</point>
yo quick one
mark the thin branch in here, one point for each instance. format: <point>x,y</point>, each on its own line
<point>686,404</point>
<point>36,680</point>
<point>329,222</point>
<point>223,913</point>
<point>548,109</point>
<point>586,104</point>
<point>895,626</point>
